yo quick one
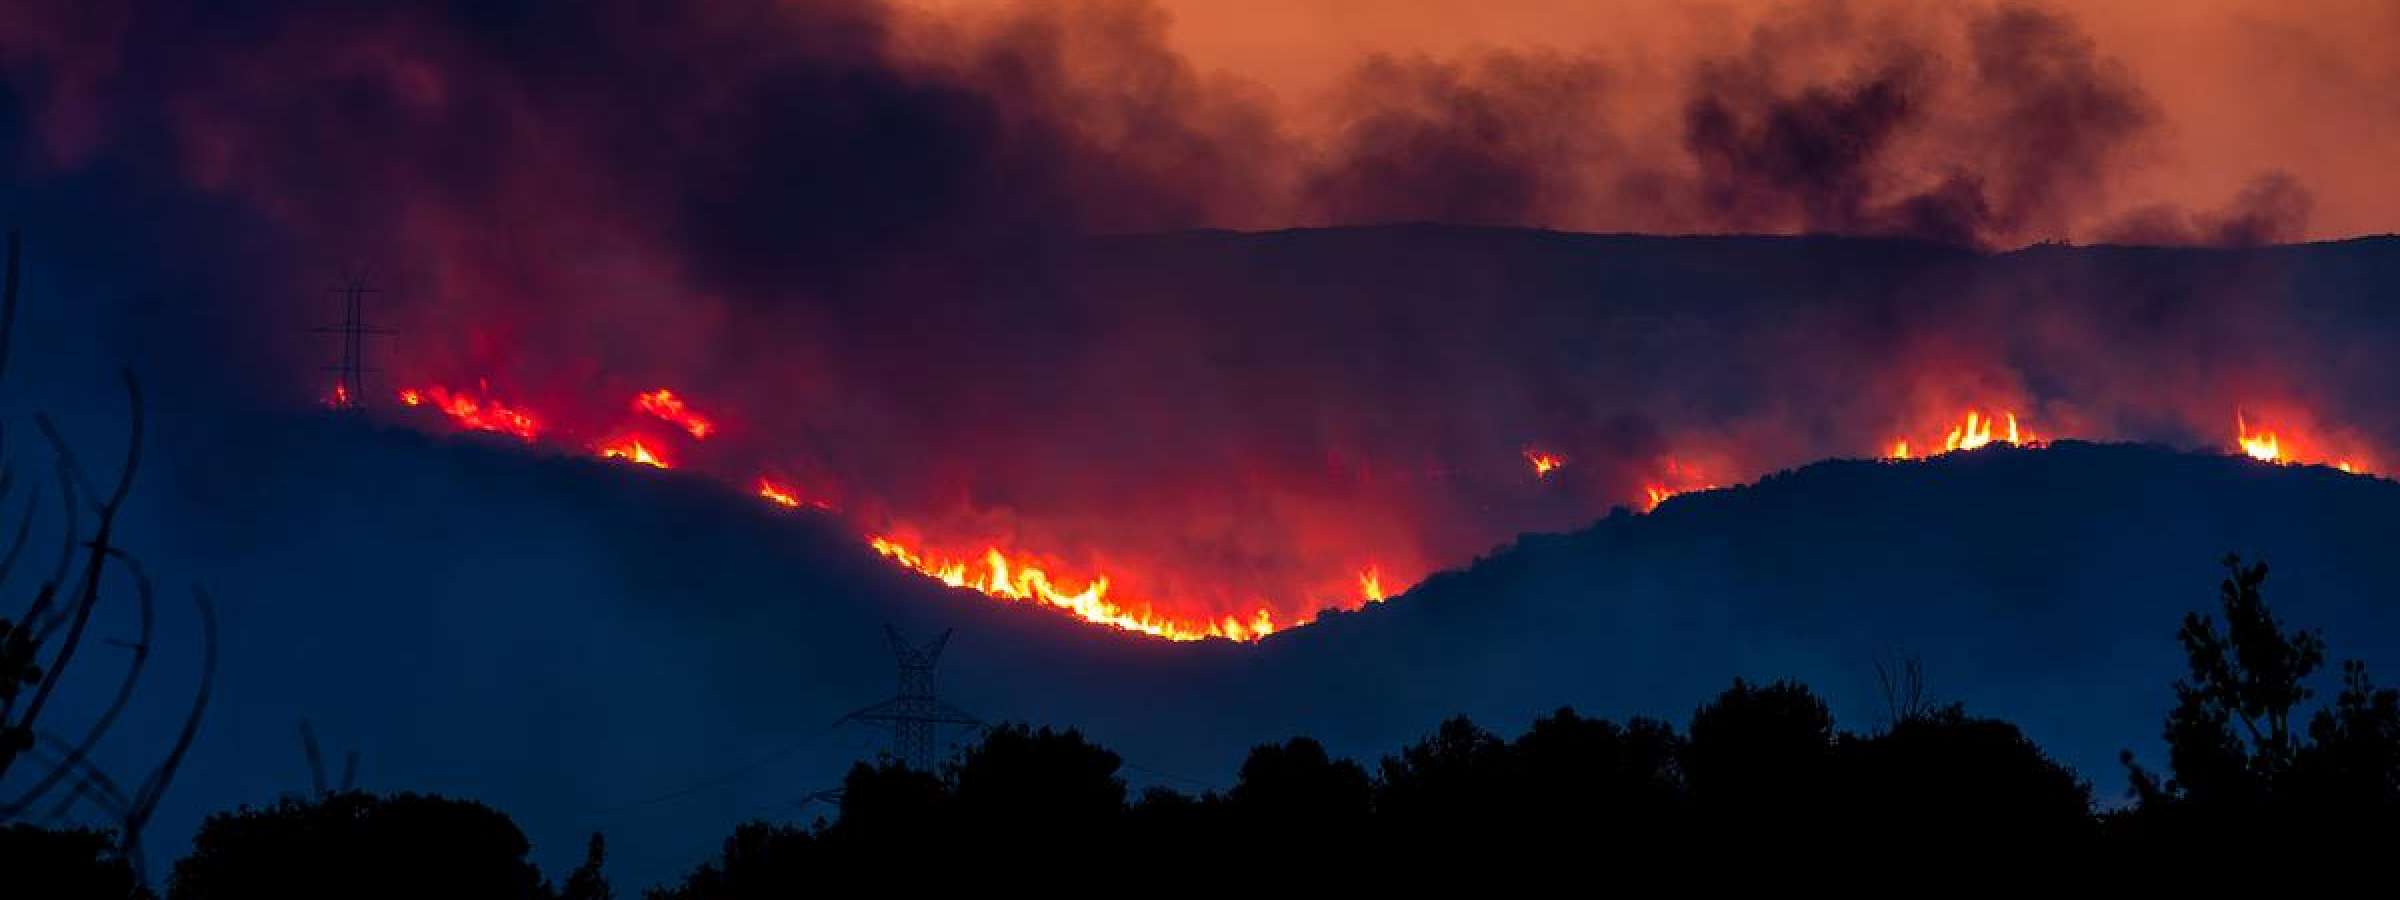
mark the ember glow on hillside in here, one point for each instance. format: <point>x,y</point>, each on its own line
<point>1116,596</point>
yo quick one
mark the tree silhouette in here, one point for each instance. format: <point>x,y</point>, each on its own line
<point>2244,779</point>
<point>1949,786</point>
<point>79,863</point>
<point>1759,753</point>
<point>1021,788</point>
<point>587,882</point>
<point>1447,789</point>
<point>2352,761</point>
<point>1582,779</point>
<point>760,861</point>
<point>1295,794</point>
<point>358,845</point>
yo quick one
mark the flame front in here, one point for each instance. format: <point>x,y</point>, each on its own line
<point>995,575</point>
<point>1016,576</point>
<point>474,413</point>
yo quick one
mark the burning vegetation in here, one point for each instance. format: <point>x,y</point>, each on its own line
<point>1111,594</point>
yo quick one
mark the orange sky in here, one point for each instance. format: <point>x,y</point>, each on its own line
<point>2310,87</point>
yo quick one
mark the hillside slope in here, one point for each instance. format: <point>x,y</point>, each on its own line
<point>592,646</point>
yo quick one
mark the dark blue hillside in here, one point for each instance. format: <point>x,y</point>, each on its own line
<point>589,645</point>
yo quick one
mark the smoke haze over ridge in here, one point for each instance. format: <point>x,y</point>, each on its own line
<point>864,236</point>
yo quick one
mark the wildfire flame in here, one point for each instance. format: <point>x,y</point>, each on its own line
<point>1370,584</point>
<point>1679,478</point>
<point>2279,447</point>
<point>1974,432</point>
<point>2263,446</point>
<point>1015,578</point>
<point>785,495</point>
<point>1543,463</point>
<point>996,576</point>
<point>664,404</point>
<point>474,413</point>
<point>632,450</point>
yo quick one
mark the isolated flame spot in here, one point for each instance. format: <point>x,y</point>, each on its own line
<point>665,405</point>
<point>633,450</point>
<point>785,495</point>
<point>1543,463</point>
<point>1370,584</point>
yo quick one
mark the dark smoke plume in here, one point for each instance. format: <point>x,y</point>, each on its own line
<point>874,241</point>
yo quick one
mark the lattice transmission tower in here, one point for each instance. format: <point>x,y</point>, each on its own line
<point>350,371</point>
<point>915,715</point>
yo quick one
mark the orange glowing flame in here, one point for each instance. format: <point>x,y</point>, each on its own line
<point>2263,446</point>
<point>1543,462</point>
<point>996,576</point>
<point>1370,584</point>
<point>474,413</point>
<point>1974,432</point>
<point>341,396</point>
<point>785,495</point>
<point>664,404</point>
<point>2281,446</point>
<point>632,450</point>
<point>1680,478</point>
<point>777,494</point>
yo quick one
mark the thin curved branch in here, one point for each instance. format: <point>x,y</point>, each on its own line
<point>16,545</point>
<point>146,800</point>
<point>116,707</point>
<point>88,596</point>
<point>66,556</point>
<point>50,749</point>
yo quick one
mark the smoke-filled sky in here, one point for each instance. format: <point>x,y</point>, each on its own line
<point>2236,87</point>
<point>863,237</point>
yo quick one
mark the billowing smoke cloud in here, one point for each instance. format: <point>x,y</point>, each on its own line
<point>873,242</point>
<point>2273,208</point>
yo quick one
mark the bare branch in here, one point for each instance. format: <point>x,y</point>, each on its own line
<point>116,706</point>
<point>96,563</point>
<point>146,800</point>
<point>66,557</point>
<point>16,545</point>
